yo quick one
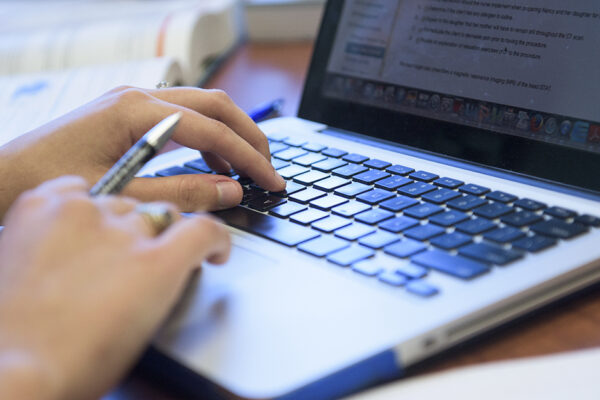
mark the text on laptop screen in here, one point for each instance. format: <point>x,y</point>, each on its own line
<point>526,70</point>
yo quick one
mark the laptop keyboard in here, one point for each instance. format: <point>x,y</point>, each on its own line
<point>346,207</point>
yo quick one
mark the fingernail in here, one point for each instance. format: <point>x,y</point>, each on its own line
<point>228,194</point>
<point>279,179</point>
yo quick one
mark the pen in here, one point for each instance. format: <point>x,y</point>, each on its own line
<point>135,158</point>
<point>265,110</point>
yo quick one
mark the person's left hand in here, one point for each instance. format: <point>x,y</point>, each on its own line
<point>90,139</point>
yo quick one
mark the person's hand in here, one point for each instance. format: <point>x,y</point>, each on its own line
<point>90,139</point>
<point>84,284</point>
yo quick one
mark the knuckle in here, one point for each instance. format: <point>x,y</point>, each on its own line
<point>119,89</point>
<point>187,193</point>
<point>131,95</point>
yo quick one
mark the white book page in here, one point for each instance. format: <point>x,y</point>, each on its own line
<point>30,100</point>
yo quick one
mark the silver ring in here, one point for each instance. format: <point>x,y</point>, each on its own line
<point>163,84</point>
<point>158,216</point>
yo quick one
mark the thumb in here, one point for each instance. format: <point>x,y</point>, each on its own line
<point>190,193</point>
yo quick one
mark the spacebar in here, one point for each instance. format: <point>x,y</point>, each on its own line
<point>279,230</point>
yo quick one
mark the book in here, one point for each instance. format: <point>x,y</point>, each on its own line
<point>59,55</point>
<point>283,20</point>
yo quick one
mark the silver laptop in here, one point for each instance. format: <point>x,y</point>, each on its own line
<point>442,180</point>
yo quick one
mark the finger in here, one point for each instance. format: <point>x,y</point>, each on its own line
<point>216,104</point>
<point>190,193</point>
<point>65,184</point>
<point>116,204</point>
<point>195,239</point>
<point>215,162</point>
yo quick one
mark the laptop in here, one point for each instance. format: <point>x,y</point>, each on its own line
<point>442,180</point>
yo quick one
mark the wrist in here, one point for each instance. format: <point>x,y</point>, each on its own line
<point>23,376</point>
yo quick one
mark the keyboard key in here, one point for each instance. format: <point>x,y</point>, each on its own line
<point>457,266</point>
<point>308,216</point>
<point>287,209</point>
<point>278,164</point>
<point>292,170</point>
<point>521,218</point>
<point>307,195</point>
<point>530,205</point>
<point>398,224</point>
<point>309,159</point>
<point>275,147</point>
<point>308,178</point>
<point>421,288</point>
<point>354,231</point>
<point>199,164</point>
<point>448,183</point>
<point>290,188</point>
<point>349,170</point>
<point>412,271</point>
<point>423,210</point>
<point>331,183</point>
<point>367,267</point>
<point>475,226</point>
<point>559,212</point>
<point>370,176</point>
<point>374,216</point>
<point>329,164</point>
<point>441,196</point>
<point>424,232</point>
<point>355,158</point>
<point>374,196</point>
<point>323,245</point>
<point>534,243</point>
<point>404,248</point>
<point>392,279</point>
<point>588,220</point>
<point>493,210</point>
<point>423,176</point>
<point>475,190</point>
<point>378,239</point>
<point>500,196</point>
<point>328,202</point>
<point>398,203</point>
<point>333,152</point>
<point>290,154</point>
<point>269,227</point>
<point>377,164</point>
<point>400,170</point>
<point>331,223</point>
<point>559,229</point>
<point>277,137</point>
<point>416,189</point>
<point>251,194</point>
<point>451,241</point>
<point>176,170</point>
<point>489,253</point>
<point>466,203</point>
<point>449,218</point>
<point>316,147</point>
<point>506,234</point>
<point>265,203</point>
<point>350,209</point>
<point>352,190</point>
<point>393,182</point>
<point>350,255</point>
<point>296,142</point>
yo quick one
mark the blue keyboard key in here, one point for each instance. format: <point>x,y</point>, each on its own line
<point>421,288</point>
<point>560,212</point>
<point>393,182</point>
<point>350,209</point>
<point>369,177</point>
<point>377,164</point>
<point>355,158</point>
<point>316,147</point>
<point>489,254</point>
<point>329,164</point>
<point>530,205</point>
<point>307,195</point>
<point>473,189</point>
<point>349,170</point>
<point>277,137</point>
<point>352,190</point>
<point>374,216</point>
<point>475,226</point>
<point>534,243</point>
<point>350,255</point>
<point>328,202</point>
<point>500,196</point>
<point>176,170</point>
<point>416,189</point>
<point>400,170</point>
<point>457,266</point>
<point>423,210</point>
<point>375,196</point>
<point>275,147</point>
<point>266,202</point>
<point>398,203</point>
<point>291,170</point>
<point>331,223</point>
<point>423,176</point>
<point>451,241</point>
<point>333,152</point>
<point>449,218</point>
<point>448,183</point>
<point>354,231</point>
<point>378,239</point>
<point>424,232</point>
<point>441,196</point>
<point>398,224</point>
<point>323,245</point>
<point>309,159</point>
<point>411,271</point>
<point>367,267</point>
<point>466,203</point>
<point>308,216</point>
<point>278,164</point>
<point>493,210</point>
<point>559,229</point>
<point>392,279</point>
<point>521,218</point>
<point>287,209</point>
<point>290,154</point>
<point>296,142</point>
<point>404,248</point>
<point>290,188</point>
<point>310,177</point>
<point>505,234</point>
<point>331,183</point>
<point>199,164</point>
<point>588,220</point>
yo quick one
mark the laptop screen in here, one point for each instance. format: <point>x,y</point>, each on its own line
<point>495,82</point>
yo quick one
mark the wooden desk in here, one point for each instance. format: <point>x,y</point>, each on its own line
<point>258,73</point>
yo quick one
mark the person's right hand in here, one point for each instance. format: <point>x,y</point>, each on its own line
<point>90,139</point>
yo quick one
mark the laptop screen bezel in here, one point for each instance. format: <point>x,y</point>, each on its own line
<point>564,165</point>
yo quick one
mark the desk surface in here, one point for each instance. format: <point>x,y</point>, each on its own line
<point>262,72</point>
